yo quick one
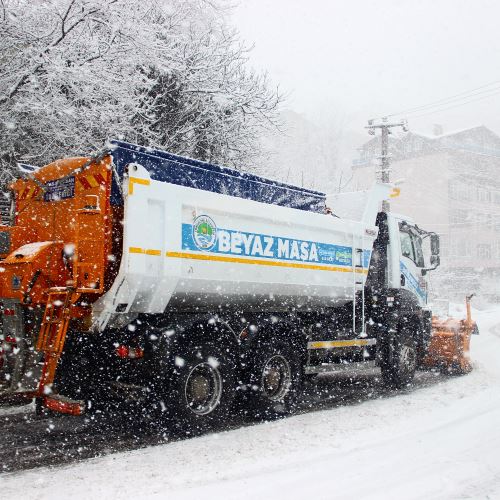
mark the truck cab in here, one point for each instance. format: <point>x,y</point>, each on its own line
<point>396,300</point>
<point>413,252</point>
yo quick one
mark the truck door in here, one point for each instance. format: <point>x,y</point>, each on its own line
<point>411,262</point>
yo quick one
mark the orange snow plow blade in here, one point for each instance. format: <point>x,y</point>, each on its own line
<point>450,343</point>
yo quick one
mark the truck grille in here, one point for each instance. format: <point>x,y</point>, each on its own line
<point>5,218</point>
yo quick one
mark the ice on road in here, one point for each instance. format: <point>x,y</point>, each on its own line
<point>441,441</point>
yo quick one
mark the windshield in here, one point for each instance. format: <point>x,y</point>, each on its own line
<point>411,244</point>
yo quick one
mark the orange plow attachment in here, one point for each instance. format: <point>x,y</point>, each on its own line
<point>450,343</point>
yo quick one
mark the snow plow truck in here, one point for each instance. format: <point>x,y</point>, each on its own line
<point>139,274</point>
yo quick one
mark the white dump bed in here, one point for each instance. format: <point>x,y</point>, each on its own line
<point>195,250</point>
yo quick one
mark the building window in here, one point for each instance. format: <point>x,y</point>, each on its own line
<point>459,216</point>
<point>453,190</point>
<point>484,221</point>
<point>489,221</point>
<point>457,190</point>
<point>483,195</point>
<point>484,251</point>
<point>460,248</point>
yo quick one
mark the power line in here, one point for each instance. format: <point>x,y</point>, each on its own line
<point>456,97</point>
<point>457,105</point>
<point>462,95</point>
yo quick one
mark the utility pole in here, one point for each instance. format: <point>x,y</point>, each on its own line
<point>385,129</point>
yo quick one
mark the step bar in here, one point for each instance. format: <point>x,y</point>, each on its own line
<point>338,367</point>
<point>54,402</point>
<point>64,405</point>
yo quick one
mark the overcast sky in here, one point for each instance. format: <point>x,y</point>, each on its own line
<point>364,58</point>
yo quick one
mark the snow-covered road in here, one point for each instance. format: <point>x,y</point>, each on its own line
<point>440,440</point>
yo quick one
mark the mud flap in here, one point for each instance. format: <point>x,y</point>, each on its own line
<point>22,364</point>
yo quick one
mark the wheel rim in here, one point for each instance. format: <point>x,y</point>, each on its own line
<point>203,389</point>
<point>276,378</point>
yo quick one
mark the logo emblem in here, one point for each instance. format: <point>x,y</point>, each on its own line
<point>204,232</point>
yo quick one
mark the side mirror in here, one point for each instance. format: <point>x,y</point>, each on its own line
<point>434,245</point>
<point>435,259</point>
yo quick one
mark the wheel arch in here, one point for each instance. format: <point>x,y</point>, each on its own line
<point>283,329</point>
<point>169,335</point>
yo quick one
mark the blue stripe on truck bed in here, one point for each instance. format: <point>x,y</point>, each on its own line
<point>241,243</point>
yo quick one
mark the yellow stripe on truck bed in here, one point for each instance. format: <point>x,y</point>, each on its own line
<point>259,262</point>
<point>240,260</point>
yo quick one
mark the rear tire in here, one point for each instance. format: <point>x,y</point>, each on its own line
<point>399,361</point>
<point>275,380</point>
<point>200,388</point>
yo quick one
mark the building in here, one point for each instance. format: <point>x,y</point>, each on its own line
<point>451,184</point>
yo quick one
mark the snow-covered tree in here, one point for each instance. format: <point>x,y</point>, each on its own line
<point>309,153</point>
<point>165,73</point>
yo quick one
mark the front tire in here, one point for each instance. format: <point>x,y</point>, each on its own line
<point>399,361</point>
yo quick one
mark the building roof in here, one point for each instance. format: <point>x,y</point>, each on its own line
<point>453,132</point>
<point>476,140</point>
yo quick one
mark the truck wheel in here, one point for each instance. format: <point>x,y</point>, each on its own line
<point>399,361</point>
<point>201,389</point>
<point>275,380</point>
